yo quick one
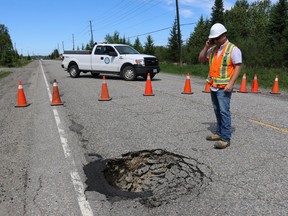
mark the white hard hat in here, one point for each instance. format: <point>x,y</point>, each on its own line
<point>216,30</point>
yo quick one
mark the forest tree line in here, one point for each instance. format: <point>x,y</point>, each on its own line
<point>259,29</point>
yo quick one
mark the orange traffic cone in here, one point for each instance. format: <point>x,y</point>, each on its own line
<point>148,88</point>
<point>275,87</point>
<point>104,92</point>
<point>56,100</point>
<point>187,87</point>
<point>21,96</point>
<point>254,88</point>
<point>243,88</point>
<point>207,88</point>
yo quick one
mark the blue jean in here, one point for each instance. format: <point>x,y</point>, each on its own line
<point>221,105</point>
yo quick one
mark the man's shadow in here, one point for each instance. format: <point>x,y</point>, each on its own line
<point>211,126</point>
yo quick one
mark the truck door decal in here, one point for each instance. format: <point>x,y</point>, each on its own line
<point>107,60</point>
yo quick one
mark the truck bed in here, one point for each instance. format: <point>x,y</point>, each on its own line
<point>80,52</point>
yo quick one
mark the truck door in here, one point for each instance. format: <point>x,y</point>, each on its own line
<point>102,61</point>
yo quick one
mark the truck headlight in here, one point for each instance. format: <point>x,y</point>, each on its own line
<point>140,62</point>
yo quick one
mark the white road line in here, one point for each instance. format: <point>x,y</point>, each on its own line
<point>75,177</point>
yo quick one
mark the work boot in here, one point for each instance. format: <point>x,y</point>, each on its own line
<point>213,137</point>
<point>221,144</point>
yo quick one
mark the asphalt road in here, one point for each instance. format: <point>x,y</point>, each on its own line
<point>43,149</point>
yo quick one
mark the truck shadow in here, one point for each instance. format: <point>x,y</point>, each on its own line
<point>111,77</point>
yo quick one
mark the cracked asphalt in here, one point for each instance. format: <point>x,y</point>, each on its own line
<point>248,178</point>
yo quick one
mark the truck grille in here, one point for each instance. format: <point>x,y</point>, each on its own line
<point>151,61</point>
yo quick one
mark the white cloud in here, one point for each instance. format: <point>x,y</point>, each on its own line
<point>186,13</point>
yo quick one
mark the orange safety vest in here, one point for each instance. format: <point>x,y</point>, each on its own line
<point>221,67</point>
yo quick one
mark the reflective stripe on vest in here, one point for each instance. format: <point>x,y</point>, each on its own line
<point>223,76</point>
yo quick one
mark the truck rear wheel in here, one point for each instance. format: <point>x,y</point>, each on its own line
<point>74,71</point>
<point>129,73</point>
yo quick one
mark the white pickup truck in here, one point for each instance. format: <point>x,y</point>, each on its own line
<point>117,59</point>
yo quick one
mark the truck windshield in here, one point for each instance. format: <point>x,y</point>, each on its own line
<point>126,50</point>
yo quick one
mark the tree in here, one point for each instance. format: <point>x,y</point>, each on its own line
<point>173,45</point>
<point>277,32</point>
<point>88,47</point>
<point>197,41</point>
<point>237,19</point>
<point>55,54</point>
<point>253,45</point>
<point>149,46</point>
<point>137,45</point>
<point>278,21</point>
<point>161,53</point>
<point>115,38</point>
<point>217,15</point>
<point>6,47</point>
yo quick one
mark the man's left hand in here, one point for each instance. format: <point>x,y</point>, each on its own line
<point>228,88</point>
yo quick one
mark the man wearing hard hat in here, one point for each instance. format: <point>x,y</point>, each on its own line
<point>225,61</point>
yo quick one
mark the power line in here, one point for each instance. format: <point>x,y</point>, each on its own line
<point>125,13</point>
<point>149,32</point>
<point>126,17</point>
<point>159,30</point>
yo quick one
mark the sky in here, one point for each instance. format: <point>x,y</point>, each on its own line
<point>37,27</point>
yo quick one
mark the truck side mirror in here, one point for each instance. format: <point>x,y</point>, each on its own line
<point>113,53</point>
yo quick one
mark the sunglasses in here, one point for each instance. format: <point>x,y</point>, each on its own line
<point>217,38</point>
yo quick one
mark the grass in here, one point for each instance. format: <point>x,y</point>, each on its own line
<point>265,76</point>
<point>4,74</point>
<point>18,63</point>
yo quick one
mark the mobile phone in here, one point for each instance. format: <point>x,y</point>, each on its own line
<point>211,41</point>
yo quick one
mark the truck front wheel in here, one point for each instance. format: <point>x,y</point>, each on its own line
<point>129,73</point>
<point>74,71</point>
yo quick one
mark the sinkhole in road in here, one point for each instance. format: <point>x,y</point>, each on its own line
<point>154,176</point>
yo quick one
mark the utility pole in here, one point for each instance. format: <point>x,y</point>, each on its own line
<point>179,35</point>
<point>63,46</point>
<point>73,41</point>
<point>92,41</point>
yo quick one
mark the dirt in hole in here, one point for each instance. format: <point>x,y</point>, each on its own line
<point>157,176</point>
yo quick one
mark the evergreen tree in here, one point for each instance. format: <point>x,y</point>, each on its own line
<point>161,53</point>
<point>54,54</point>
<point>277,31</point>
<point>149,46</point>
<point>254,43</point>
<point>137,45</point>
<point>278,21</point>
<point>88,47</point>
<point>237,20</point>
<point>217,15</point>
<point>113,39</point>
<point>173,45</point>
<point>6,47</point>
<point>123,40</point>
<point>197,41</point>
